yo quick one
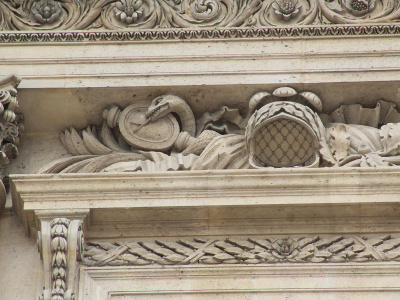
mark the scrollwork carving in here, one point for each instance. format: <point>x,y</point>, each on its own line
<point>359,11</point>
<point>131,14</point>
<point>151,14</point>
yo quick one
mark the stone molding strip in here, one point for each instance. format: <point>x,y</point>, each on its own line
<point>315,249</point>
<point>346,185</point>
<point>311,189</point>
<point>200,34</point>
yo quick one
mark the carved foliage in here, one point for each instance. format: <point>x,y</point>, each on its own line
<point>359,11</point>
<point>146,14</point>
<point>245,251</point>
<point>11,126</point>
<point>281,129</point>
<point>60,245</point>
<point>46,11</point>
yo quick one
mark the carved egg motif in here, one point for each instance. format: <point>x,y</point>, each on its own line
<point>159,135</point>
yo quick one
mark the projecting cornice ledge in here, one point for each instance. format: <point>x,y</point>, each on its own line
<point>345,193</point>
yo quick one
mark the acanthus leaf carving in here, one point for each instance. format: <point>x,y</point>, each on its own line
<point>339,141</point>
<point>359,11</point>
<point>11,126</point>
<point>281,129</point>
<point>152,14</point>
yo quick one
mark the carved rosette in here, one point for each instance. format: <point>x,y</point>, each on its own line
<point>60,244</point>
<point>286,9</point>
<point>128,11</point>
<point>359,11</point>
<point>360,7</point>
<point>11,126</point>
<point>149,14</point>
<point>46,11</point>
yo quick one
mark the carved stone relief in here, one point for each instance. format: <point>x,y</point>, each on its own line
<point>281,129</point>
<point>60,243</point>
<point>149,14</point>
<point>337,249</point>
<point>11,126</point>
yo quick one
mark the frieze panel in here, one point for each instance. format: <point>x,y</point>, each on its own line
<point>283,128</point>
<point>315,249</point>
<point>151,14</point>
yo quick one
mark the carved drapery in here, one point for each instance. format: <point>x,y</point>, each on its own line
<point>150,14</point>
<point>11,126</point>
<point>281,129</point>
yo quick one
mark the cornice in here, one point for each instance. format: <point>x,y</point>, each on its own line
<point>195,188</point>
<point>191,199</point>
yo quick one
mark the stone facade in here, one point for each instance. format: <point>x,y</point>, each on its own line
<point>199,149</point>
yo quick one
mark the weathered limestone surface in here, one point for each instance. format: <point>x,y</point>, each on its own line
<point>232,282</point>
<point>264,233</point>
<point>21,275</point>
<point>344,213</point>
<point>282,60</point>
